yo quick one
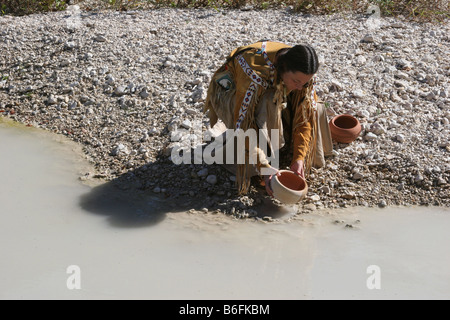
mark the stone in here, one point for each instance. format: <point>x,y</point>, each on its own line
<point>157,190</point>
<point>120,90</point>
<point>400,138</point>
<point>144,94</point>
<point>418,179</point>
<point>368,38</point>
<point>377,129</point>
<point>51,100</point>
<point>359,94</point>
<point>211,179</point>
<point>99,38</point>
<point>361,60</point>
<point>370,136</point>
<point>357,176</point>
<point>336,85</point>
<point>203,172</point>
<point>309,207</point>
<point>325,190</point>
<point>187,124</point>
<point>120,148</point>
<point>349,195</point>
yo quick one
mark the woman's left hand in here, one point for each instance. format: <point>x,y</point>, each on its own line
<point>298,168</point>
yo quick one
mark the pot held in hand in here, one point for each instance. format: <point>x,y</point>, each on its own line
<point>344,128</point>
<point>288,187</point>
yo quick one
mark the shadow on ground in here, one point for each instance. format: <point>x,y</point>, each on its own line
<point>129,200</point>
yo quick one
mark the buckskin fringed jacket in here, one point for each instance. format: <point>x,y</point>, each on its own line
<point>238,87</point>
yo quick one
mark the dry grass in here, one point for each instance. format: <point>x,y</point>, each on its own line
<point>24,7</point>
<point>419,10</point>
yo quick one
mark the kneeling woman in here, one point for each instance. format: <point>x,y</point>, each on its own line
<point>265,86</point>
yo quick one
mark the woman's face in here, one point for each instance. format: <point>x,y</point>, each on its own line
<point>296,80</point>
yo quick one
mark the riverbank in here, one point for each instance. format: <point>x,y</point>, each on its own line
<point>122,85</point>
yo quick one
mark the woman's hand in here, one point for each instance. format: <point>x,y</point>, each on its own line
<point>298,168</point>
<point>267,180</point>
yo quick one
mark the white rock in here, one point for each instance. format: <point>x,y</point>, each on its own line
<point>186,124</point>
<point>176,136</point>
<point>336,85</point>
<point>371,136</point>
<point>120,148</point>
<point>361,60</point>
<point>377,128</point>
<point>358,93</point>
<point>400,138</point>
<point>110,80</point>
<point>368,38</point>
<point>153,131</point>
<point>120,90</point>
<point>363,113</point>
<point>51,100</point>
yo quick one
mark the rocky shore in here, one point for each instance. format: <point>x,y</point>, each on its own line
<point>129,86</point>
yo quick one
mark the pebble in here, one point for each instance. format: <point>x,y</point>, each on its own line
<point>368,38</point>
<point>371,136</point>
<point>203,172</point>
<point>357,176</point>
<point>211,179</point>
<point>144,94</point>
<point>325,190</point>
<point>310,207</point>
<point>120,90</point>
<point>120,148</point>
<point>359,94</point>
<point>99,38</point>
<point>400,138</point>
<point>157,190</point>
<point>377,129</point>
<point>187,124</point>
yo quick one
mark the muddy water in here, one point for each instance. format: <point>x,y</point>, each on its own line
<point>127,244</point>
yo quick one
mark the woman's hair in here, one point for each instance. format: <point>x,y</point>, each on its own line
<point>301,58</point>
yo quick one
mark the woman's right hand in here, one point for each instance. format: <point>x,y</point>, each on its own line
<point>267,180</point>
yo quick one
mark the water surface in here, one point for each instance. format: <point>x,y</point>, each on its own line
<point>48,223</point>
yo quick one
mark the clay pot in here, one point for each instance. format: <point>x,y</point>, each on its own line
<point>288,187</point>
<point>344,128</point>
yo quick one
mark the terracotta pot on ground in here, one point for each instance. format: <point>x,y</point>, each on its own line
<point>344,128</point>
<point>288,187</point>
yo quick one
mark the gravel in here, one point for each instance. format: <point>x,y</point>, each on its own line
<point>123,84</point>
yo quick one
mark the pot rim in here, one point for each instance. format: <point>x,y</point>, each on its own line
<point>340,116</point>
<point>291,172</point>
